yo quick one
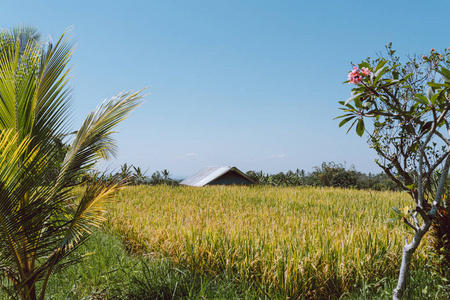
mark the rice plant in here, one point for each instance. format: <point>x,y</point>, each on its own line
<point>297,242</point>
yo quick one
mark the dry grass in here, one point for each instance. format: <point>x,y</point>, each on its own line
<point>312,242</point>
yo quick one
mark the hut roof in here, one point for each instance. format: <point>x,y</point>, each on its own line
<point>210,174</point>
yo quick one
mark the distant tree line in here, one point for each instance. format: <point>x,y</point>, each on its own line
<point>127,173</point>
<point>328,174</point>
<point>136,176</point>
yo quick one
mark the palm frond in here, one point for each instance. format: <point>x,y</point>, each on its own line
<point>90,211</point>
<point>40,224</point>
<point>54,96</point>
<point>13,168</point>
<point>26,35</point>
<point>94,139</point>
<point>8,66</point>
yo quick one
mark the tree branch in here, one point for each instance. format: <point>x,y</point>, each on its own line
<point>437,163</point>
<point>420,189</point>
<point>414,216</point>
<point>409,224</point>
<point>440,189</point>
<point>395,179</point>
<point>443,138</point>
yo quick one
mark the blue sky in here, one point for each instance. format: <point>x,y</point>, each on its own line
<point>254,84</point>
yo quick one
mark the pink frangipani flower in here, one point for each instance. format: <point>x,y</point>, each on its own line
<point>365,71</point>
<point>354,76</point>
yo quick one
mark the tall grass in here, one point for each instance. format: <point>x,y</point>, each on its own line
<point>295,242</point>
<point>108,272</point>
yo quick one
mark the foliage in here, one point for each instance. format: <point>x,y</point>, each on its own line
<point>441,240</point>
<point>315,242</point>
<point>162,177</point>
<point>327,175</point>
<point>135,176</point>
<point>107,271</point>
<point>41,221</point>
<point>163,279</point>
<point>60,151</point>
<point>407,105</point>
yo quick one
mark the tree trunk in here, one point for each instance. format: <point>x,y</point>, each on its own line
<point>31,292</point>
<point>408,251</point>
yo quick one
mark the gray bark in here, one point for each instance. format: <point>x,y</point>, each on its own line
<point>408,251</point>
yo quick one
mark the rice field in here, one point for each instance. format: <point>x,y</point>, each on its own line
<point>288,241</point>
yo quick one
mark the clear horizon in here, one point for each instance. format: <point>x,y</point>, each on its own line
<point>251,84</point>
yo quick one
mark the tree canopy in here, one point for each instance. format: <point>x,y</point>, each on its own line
<point>402,106</point>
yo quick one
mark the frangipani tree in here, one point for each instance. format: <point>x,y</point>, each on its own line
<point>40,224</point>
<point>403,109</point>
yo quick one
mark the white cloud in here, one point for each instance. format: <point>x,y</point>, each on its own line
<point>278,155</point>
<point>192,154</point>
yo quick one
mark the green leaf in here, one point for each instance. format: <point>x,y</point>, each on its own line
<point>343,116</point>
<point>343,122</point>
<point>436,85</point>
<point>364,64</point>
<point>351,126</point>
<point>434,98</point>
<point>367,104</point>
<point>445,72</point>
<point>407,77</point>
<point>353,97</point>
<point>414,147</point>
<point>408,129</point>
<point>360,127</point>
<point>421,99</point>
<point>390,82</point>
<point>426,126</point>
<point>380,64</point>
<point>391,220</point>
<point>397,211</point>
<point>349,107</point>
<point>430,92</point>
<point>395,75</point>
<point>378,74</point>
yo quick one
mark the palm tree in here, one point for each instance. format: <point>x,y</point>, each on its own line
<point>139,176</point>
<point>41,223</point>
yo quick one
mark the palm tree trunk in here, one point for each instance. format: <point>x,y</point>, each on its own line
<point>32,291</point>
